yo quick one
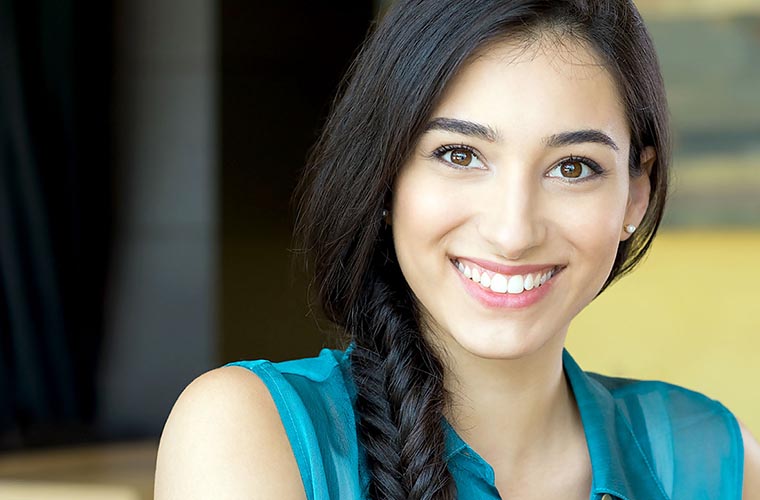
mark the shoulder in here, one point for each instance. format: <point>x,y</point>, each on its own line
<point>318,373</point>
<point>652,406</point>
<point>693,442</point>
<point>675,402</point>
<point>224,439</point>
<point>311,395</point>
<point>751,466</point>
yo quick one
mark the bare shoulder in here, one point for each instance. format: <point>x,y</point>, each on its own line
<point>751,466</point>
<point>224,439</point>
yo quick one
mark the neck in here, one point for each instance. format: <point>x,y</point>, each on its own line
<point>514,412</point>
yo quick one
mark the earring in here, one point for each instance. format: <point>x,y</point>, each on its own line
<point>630,228</point>
<point>384,213</point>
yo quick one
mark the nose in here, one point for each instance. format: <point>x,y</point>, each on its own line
<point>512,217</point>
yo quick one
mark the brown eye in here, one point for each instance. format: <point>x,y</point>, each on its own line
<point>461,157</point>
<point>572,169</point>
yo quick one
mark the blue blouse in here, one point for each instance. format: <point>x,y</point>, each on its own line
<point>647,440</point>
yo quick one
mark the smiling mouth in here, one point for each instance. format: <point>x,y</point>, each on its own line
<point>503,284</point>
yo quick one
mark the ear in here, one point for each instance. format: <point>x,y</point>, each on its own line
<point>638,192</point>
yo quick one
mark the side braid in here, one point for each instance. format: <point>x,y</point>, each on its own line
<point>400,399</point>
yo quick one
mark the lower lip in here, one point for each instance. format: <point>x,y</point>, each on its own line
<point>496,300</point>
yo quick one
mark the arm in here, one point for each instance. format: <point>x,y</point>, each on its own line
<point>224,440</point>
<point>751,489</point>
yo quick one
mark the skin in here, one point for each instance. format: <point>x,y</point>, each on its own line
<point>224,438</point>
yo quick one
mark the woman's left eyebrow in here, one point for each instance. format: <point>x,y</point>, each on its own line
<point>580,137</point>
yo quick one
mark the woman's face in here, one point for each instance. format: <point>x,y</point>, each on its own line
<point>507,217</point>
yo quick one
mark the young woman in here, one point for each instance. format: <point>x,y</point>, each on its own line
<point>491,166</point>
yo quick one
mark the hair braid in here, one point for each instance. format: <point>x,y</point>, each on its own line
<point>400,399</point>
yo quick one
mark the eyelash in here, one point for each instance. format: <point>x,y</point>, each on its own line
<point>594,166</point>
<point>599,172</point>
<point>439,152</point>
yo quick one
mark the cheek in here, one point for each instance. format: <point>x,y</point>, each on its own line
<point>595,228</point>
<point>424,211</point>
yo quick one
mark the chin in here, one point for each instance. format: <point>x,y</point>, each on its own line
<point>504,343</point>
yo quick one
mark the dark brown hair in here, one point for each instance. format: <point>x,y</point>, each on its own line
<point>392,87</point>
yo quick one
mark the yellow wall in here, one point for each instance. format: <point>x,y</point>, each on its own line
<point>690,315</point>
<point>696,8</point>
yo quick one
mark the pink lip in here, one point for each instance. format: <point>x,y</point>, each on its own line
<point>493,300</point>
<point>506,270</point>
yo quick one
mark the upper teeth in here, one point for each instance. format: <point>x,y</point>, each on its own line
<point>500,283</point>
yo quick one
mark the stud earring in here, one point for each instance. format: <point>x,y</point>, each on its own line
<point>630,228</point>
<point>384,213</point>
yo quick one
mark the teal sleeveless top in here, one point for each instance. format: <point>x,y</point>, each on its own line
<point>646,440</point>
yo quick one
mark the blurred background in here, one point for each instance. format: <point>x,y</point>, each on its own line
<point>148,151</point>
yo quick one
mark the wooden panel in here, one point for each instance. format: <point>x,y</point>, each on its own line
<point>106,472</point>
<point>20,490</point>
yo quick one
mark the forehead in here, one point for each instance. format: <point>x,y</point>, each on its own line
<point>542,87</point>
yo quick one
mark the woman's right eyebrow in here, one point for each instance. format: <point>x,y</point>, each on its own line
<point>463,127</point>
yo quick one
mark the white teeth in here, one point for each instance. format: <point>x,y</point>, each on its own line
<point>528,284</point>
<point>502,284</point>
<point>485,280</point>
<point>544,277</point>
<point>499,283</point>
<point>515,284</point>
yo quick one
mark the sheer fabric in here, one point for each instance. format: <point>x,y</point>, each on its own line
<point>647,440</point>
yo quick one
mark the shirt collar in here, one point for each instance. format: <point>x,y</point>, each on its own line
<point>619,465</point>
